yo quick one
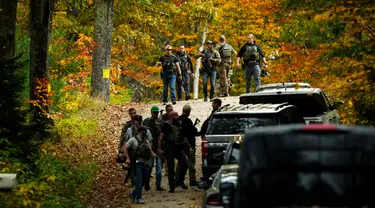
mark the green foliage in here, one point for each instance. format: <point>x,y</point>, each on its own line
<point>122,96</point>
<point>60,174</point>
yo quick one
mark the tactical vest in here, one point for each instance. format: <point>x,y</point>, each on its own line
<point>206,63</point>
<point>154,125</point>
<point>183,61</point>
<point>169,66</point>
<point>175,138</point>
<point>225,53</point>
<point>144,150</point>
<point>251,53</point>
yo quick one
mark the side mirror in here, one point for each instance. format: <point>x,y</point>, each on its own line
<point>335,105</point>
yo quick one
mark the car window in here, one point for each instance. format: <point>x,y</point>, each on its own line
<point>237,124</point>
<point>310,104</point>
<point>234,157</point>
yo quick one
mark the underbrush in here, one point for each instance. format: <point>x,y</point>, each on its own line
<point>62,172</point>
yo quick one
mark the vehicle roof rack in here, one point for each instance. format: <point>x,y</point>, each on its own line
<point>283,85</point>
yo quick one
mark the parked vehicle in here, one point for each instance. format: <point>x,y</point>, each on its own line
<point>232,120</point>
<point>312,103</point>
<point>307,165</point>
<point>224,181</point>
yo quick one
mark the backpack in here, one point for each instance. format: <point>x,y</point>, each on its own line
<point>154,125</point>
<point>206,63</point>
<point>143,150</point>
<point>225,52</point>
<point>134,131</point>
<point>169,66</point>
<point>251,53</point>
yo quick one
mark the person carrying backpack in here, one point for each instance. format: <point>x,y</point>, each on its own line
<point>141,147</point>
<point>172,143</point>
<point>251,54</point>
<point>154,124</point>
<point>210,60</point>
<point>224,67</point>
<point>171,70</point>
<point>132,131</point>
<point>187,70</point>
<point>132,115</point>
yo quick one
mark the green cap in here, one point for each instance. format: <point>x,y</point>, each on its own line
<point>155,109</point>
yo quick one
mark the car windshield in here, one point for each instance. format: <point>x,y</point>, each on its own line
<point>237,124</point>
<point>235,154</point>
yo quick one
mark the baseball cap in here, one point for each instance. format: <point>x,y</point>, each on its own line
<point>209,42</point>
<point>155,109</point>
<point>168,47</point>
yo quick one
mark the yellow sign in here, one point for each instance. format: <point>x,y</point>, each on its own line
<point>106,73</point>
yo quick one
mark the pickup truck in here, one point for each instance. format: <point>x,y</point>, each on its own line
<point>232,120</point>
<point>312,103</point>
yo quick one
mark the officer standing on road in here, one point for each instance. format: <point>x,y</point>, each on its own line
<point>216,104</point>
<point>226,51</point>
<point>154,124</point>
<point>251,54</point>
<point>174,143</point>
<point>171,71</point>
<point>189,131</point>
<point>210,60</point>
<point>187,70</point>
<point>132,114</point>
<point>142,151</point>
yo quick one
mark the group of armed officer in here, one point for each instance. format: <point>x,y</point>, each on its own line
<point>177,69</point>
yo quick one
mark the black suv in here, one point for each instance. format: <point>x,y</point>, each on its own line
<point>319,165</point>
<point>232,120</point>
<point>312,103</point>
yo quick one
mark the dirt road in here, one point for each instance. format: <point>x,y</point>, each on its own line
<point>193,196</point>
<point>110,191</point>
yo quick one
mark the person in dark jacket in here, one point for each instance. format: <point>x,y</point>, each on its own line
<point>252,54</point>
<point>216,104</point>
<point>172,143</point>
<point>187,71</point>
<point>189,131</point>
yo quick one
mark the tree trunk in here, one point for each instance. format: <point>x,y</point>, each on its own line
<point>7,29</point>
<point>100,82</point>
<point>39,75</point>
<point>198,64</point>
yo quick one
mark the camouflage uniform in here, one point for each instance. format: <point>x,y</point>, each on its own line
<point>223,69</point>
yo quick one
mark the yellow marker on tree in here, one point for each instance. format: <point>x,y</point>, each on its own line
<point>106,73</point>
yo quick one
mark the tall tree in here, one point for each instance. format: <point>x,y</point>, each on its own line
<point>40,11</point>
<point>100,82</point>
<point>8,10</point>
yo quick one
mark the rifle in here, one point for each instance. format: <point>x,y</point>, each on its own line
<point>197,121</point>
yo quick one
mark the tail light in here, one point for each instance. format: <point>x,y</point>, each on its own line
<point>204,148</point>
<point>214,199</point>
<point>320,127</point>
